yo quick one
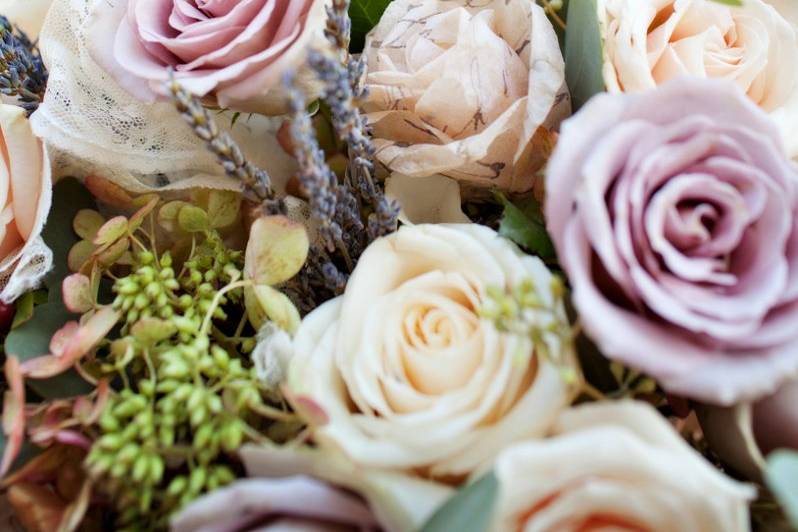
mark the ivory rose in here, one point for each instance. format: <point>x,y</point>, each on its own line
<point>468,90</point>
<point>24,202</point>
<point>615,466</point>
<point>403,375</point>
<point>674,215</point>
<point>234,51</point>
<point>647,42</point>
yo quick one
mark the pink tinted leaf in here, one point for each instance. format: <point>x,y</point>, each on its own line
<point>84,339</point>
<point>73,438</point>
<point>74,513</point>
<point>111,231</point>
<point>77,293</point>
<point>13,413</point>
<point>138,218</point>
<point>62,337</point>
<point>107,192</point>
<point>87,222</point>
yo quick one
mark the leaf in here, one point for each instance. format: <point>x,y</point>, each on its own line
<point>276,250</point>
<point>193,219</point>
<point>525,227</point>
<point>24,309</point>
<point>69,197</point>
<point>167,215</point>
<point>78,296</point>
<point>781,476</point>
<point>79,254</point>
<point>469,510</point>
<point>108,192</point>
<point>264,303</point>
<point>223,208</point>
<point>735,3</point>
<point>32,339</point>
<point>583,52</point>
<point>365,14</point>
<point>111,231</point>
<point>87,222</point>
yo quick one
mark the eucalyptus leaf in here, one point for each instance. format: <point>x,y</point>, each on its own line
<point>736,3</point>
<point>781,476</point>
<point>583,52</point>
<point>524,226</point>
<point>69,197</point>
<point>469,510</point>
<point>365,14</point>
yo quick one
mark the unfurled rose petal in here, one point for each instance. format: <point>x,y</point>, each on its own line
<point>236,53</point>
<point>411,379</point>
<point>744,434</point>
<point>24,202</point>
<point>755,45</point>
<point>615,466</point>
<point>465,91</point>
<point>426,200</point>
<point>399,502</point>
<point>673,213</point>
<point>248,504</point>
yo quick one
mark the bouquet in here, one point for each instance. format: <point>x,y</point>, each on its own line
<point>394,265</point>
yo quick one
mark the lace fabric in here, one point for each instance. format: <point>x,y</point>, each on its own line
<point>93,126</point>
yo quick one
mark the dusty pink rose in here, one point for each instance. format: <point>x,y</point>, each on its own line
<point>674,215</point>
<point>234,50</point>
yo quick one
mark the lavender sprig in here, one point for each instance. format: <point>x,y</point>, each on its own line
<point>255,181</point>
<point>22,71</point>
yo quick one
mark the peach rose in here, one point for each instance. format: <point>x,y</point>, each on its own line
<point>468,90</point>
<point>615,466</point>
<point>647,42</point>
<point>24,203</point>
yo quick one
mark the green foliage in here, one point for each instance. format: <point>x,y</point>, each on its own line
<point>583,52</point>
<point>469,510</point>
<point>69,197</point>
<point>365,14</point>
<point>190,396</point>
<point>782,478</point>
<point>523,224</point>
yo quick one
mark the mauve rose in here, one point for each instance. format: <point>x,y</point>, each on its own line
<point>234,50</point>
<point>276,504</point>
<point>674,215</point>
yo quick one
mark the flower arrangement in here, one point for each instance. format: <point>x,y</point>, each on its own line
<point>445,265</point>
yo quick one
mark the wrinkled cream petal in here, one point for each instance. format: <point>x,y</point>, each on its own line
<point>426,200</point>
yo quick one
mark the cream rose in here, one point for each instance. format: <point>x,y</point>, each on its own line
<point>615,466</point>
<point>647,42</point>
<point>24,202</point>
<point>465,89</point>
<point>402,372</point>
